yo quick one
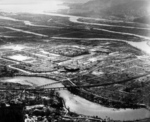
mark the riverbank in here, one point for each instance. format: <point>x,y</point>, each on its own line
<point>81,106</point>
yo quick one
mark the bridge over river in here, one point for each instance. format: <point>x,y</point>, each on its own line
<point>42,87</point>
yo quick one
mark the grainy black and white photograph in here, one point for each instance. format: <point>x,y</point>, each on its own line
<point>74,60</point>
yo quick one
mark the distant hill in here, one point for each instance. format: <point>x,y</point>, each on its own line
<point>122,9</point>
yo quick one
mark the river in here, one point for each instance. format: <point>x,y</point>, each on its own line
<point>81,105</point>
<point>76,103</point>
<point>75,19</point>
<point>141,45</point>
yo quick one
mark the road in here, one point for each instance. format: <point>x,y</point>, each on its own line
<point>24,31</point>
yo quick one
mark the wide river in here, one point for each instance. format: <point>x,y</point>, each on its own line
<point>81,105</point>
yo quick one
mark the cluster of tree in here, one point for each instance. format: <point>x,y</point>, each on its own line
<point>7,72</point>
<point>13,113</point>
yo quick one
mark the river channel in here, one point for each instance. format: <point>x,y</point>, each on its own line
<point>81,105</point>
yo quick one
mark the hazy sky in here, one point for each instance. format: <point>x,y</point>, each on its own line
<point>34,5</point>
<point>77,1</point>
<point>37,1</point>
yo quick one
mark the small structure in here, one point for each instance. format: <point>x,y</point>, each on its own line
<point>71,69</point>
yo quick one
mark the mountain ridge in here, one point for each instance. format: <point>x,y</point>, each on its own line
<point>122,9</point>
